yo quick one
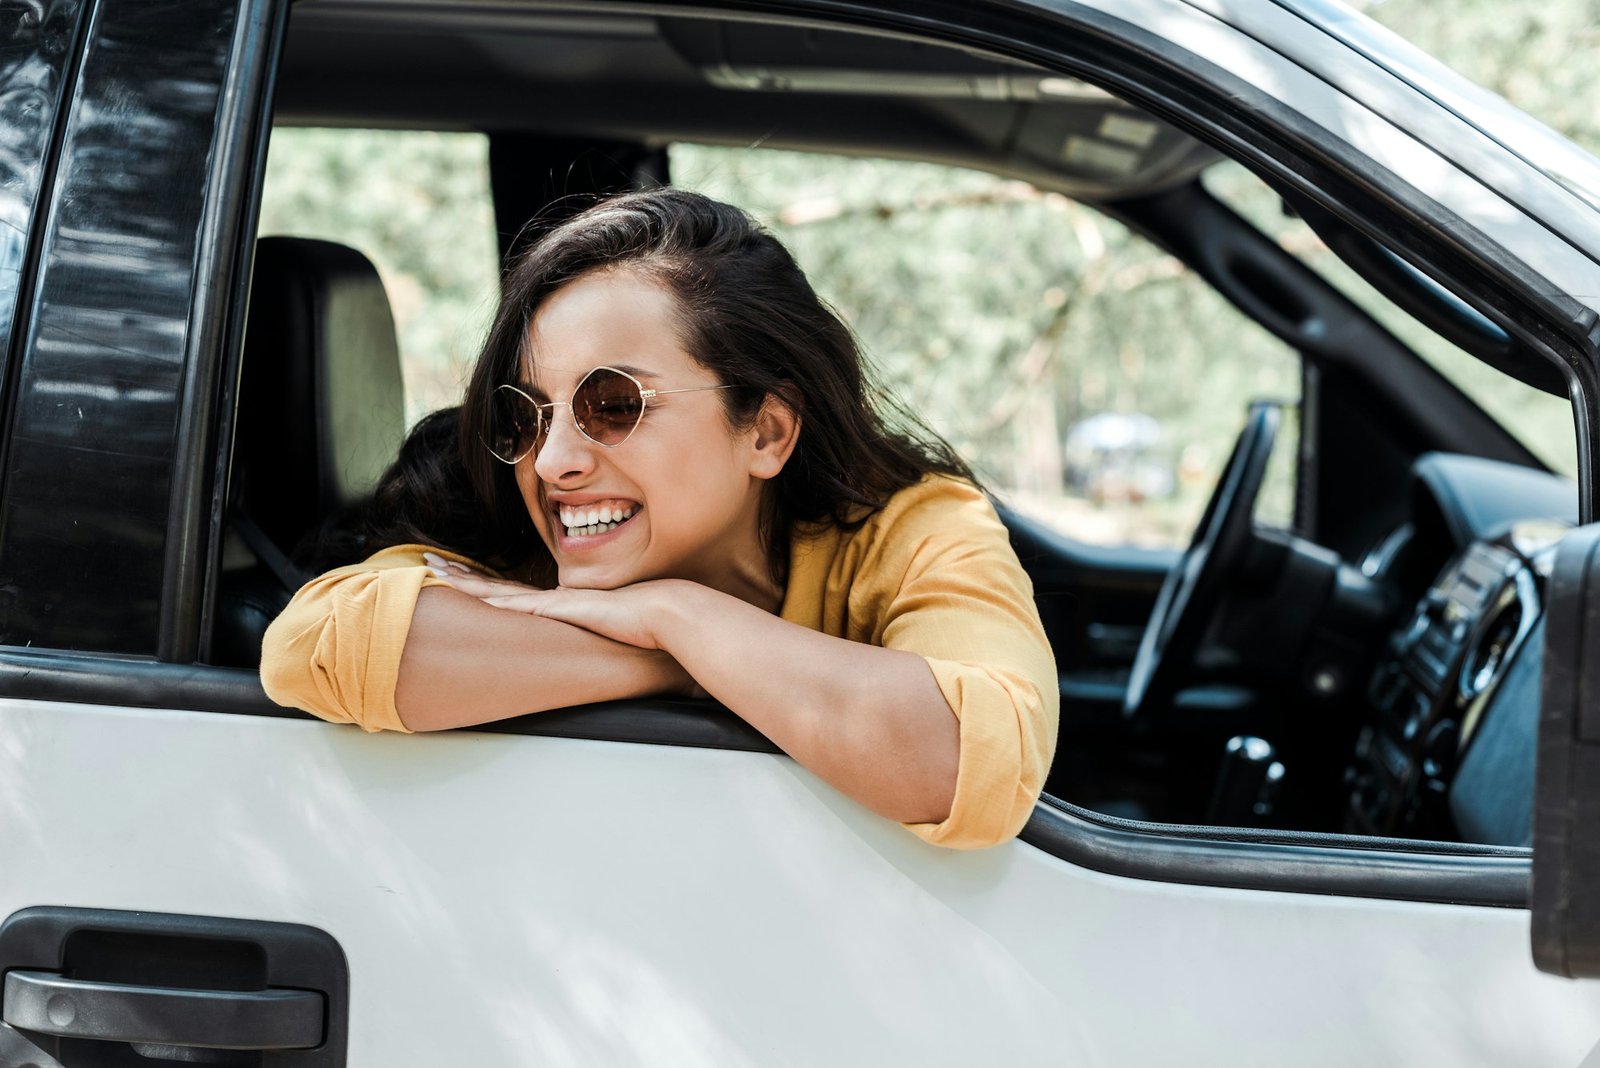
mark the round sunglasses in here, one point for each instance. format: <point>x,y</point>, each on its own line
<point>606,407</point>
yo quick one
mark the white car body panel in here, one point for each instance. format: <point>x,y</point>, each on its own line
<point>508,900</point>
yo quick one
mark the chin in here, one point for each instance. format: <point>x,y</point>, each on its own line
<point>589,578</point>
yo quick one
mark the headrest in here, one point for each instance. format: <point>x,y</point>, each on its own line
<point>321,402</point>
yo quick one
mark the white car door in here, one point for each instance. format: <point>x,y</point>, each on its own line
<point>635,884</point>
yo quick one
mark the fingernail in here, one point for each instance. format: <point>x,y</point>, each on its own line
<point>439,572</point>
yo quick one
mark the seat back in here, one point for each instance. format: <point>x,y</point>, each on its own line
<point>321,413</point>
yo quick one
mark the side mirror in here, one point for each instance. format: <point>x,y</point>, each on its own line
<point>1566,817</point>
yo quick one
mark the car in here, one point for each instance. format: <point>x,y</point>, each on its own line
<point>1294,814</point>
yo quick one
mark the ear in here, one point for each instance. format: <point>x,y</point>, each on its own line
<point>773,437</point>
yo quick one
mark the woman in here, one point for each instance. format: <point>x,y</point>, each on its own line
<point>668,458</point>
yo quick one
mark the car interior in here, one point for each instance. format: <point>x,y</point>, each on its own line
<point>1371,670</point>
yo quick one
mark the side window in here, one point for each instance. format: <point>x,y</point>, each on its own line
<point>374,244</point>
<point>1541,421</point>
<point>424,218</point>
<point>1092,380</point>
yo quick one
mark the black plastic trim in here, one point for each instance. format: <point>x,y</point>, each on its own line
<point>1295,862</point>
<point>39,226</point>
<point>216,328</point>
<point>1451,100</point>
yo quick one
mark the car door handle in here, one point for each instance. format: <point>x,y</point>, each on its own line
<point>52,1004</point>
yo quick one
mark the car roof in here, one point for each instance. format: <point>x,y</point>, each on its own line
<point>1531,140</point>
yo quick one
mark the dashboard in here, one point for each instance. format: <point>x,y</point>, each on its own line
<point>1449,752</point>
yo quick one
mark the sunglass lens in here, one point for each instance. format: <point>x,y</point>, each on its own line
<point>515,421</point>
<point>607,405</point>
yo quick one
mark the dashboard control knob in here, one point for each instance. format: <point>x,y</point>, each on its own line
<point>1439,750</point>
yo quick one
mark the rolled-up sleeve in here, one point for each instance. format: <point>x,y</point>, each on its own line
<point>965,605</point>
<point>335,650</point>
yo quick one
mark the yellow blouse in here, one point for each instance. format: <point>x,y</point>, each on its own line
<point>932,573</point>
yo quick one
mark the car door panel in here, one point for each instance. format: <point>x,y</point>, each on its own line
<point>508,899</point>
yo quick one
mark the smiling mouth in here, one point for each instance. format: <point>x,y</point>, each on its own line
<point>590,520</point>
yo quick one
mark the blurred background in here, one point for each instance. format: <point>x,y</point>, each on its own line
<point>1032,332</point>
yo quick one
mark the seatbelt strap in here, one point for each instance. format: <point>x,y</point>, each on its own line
<point>268,552</point>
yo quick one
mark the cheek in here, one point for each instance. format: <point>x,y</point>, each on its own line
<point>528,486</point>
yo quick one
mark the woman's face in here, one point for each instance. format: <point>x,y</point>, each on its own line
<point>688,484</point>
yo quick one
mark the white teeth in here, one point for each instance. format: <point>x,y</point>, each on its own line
<point>597,520</point>
<point>593,528</point>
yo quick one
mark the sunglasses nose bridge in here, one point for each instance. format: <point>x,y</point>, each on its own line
<point>562,450</point>
<point>549,420</point>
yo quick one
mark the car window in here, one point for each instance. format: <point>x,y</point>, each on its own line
<point>1094,381</point>
<point>1061,378</point>
<point>1541,421</point>
<point>424,217</point>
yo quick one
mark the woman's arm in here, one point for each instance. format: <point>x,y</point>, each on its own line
<point>869,720</point>
<point>466,663</point>
<point>386,646</point>
<point>939,705</point>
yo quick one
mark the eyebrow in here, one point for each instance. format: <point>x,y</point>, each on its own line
<point>627,368</point>
<point>637,372</point>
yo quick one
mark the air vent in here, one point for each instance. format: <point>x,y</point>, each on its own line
<point>1491,650</point>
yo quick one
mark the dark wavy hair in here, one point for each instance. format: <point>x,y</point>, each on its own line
<point>746,313</point>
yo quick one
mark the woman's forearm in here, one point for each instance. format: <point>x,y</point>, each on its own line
<point>871,721</point>
<point>466,663</point>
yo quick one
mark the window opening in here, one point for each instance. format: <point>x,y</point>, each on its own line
<point>1094,381</point>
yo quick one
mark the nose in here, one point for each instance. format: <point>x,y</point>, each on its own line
<point>565,454</point>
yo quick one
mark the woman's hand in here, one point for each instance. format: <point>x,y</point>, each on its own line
<point>476,583</point>
<point>629,615</point>
<point>608,613</point>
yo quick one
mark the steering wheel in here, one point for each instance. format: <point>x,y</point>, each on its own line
<point>1193,588</point>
